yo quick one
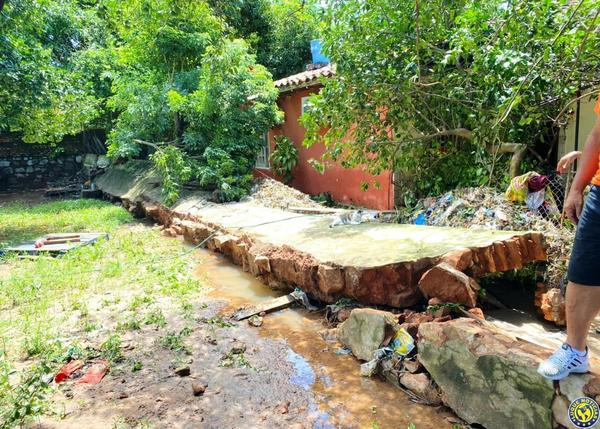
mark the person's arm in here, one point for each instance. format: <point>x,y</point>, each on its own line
<point>567,160</point>
<point>586,171</point>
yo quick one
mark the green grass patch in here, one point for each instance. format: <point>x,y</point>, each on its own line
<point>48,304</point>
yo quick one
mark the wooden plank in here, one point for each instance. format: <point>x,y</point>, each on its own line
<point>280,303</point>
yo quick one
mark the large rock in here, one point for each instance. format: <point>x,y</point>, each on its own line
<point>367,330</point>
<point>449,285</point>
<point>486,377</point>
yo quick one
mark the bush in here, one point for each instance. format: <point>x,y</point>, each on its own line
<point>284,158</point>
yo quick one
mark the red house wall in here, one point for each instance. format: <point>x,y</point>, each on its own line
<point>343,184</point>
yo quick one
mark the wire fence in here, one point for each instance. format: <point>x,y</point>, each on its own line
<point>558,186</point>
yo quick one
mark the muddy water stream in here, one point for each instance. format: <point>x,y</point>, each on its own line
<point>343,398</point>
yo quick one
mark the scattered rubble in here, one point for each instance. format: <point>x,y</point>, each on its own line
<point>271,193</point>
<point>449,285</point>
<point>367,330</point>
<point>477,208</point>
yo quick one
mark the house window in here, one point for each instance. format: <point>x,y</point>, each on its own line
<point>306,104</point>
<point>262,160</point>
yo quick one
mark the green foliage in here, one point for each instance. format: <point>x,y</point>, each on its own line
<point>224,129</point>
<point>284,157</point>
<point>279,32</point>
<point>175,341</point>
<point>22,401</point>
<point>111,348</point>
<point>48,85</point>
<point>420,82</point>
<point>174,170</point>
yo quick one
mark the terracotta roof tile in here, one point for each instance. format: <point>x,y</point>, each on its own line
<point>307,78</point>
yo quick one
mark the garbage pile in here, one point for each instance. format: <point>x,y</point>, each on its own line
<point>486,208</point>
<point>271,193</point>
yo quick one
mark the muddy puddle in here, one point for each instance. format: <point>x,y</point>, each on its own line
<point>343,399</point>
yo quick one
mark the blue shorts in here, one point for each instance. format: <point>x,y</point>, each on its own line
<point>584,266</point>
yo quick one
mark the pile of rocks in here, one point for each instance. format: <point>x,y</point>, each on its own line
<point>456,360</point>
<point>271,193</point>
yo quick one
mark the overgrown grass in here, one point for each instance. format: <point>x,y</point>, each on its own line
<point>47,302</point>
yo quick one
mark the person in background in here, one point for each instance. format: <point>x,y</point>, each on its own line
<point>583,290</point>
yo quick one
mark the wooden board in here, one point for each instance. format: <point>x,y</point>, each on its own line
<point>280,303</point>
<point>28,247</point>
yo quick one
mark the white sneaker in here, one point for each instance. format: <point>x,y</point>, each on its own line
<point>563,362</point>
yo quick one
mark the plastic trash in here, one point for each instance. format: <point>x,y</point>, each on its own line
<point>342,351</point>
<point>367,369</point>
<point>95,373</point>
<point>535,200</point>
<point>421,219</point>
<point>68,370</point>
<point>302,298</point>
<point>403,343</point>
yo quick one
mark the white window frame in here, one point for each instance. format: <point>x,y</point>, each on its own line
<point>306,104</point>
<point>263,158</point>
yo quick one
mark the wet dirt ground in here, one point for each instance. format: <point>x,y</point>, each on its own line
<point>340,397</point>
<point>287,377</point>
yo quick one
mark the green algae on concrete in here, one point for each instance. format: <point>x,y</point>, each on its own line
<point>366,245</point>
<point>486,377</point>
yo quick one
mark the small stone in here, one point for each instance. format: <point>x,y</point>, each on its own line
<point>477,312</point>
<point>122,395</point>
<point>255,321</point>
<point>183,371</point>
<point>237,348</point>
<point>421,385</point>
<point>412,366</point>
<point>199,388</point>
<point>435,301</point>
<point>592,387</point>
<point>284,408</point>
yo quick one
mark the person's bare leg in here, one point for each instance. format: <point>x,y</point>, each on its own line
<point>583,305</point>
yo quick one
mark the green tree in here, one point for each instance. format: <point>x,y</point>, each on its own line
<point>45,91</point>
<point>433,89</point>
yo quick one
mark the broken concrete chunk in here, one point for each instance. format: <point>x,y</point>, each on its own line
<point>551,303</point>
<point>330,279</point>
<point>183,371</point>
<point>421,385</point>
<point>459,259</point>
<point>466,359</point>
<point>367,330</point>
<point>450,285</point>
<point>262,264</point>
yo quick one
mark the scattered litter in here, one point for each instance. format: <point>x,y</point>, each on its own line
<point>402,344</point>
<point>95,373</point>
<point>355,217</point>
<point>342,351</point>
<point>485,208</point>
<point>68,370</point>
<point>302,298</point>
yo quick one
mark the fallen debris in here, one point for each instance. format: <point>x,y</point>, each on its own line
<point>280,303</point>
<point>449,285</point>
<point>271,193</point>
<point>68,370</point>
<point>55,244</point>
<point>95,373</point>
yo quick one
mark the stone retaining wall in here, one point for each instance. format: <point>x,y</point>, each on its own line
<point>34,171</point>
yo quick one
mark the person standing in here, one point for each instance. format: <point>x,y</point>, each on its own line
<point>583,289</point>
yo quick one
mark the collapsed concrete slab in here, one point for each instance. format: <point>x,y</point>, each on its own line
<point>377,264</point>
<point>486,377</point>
